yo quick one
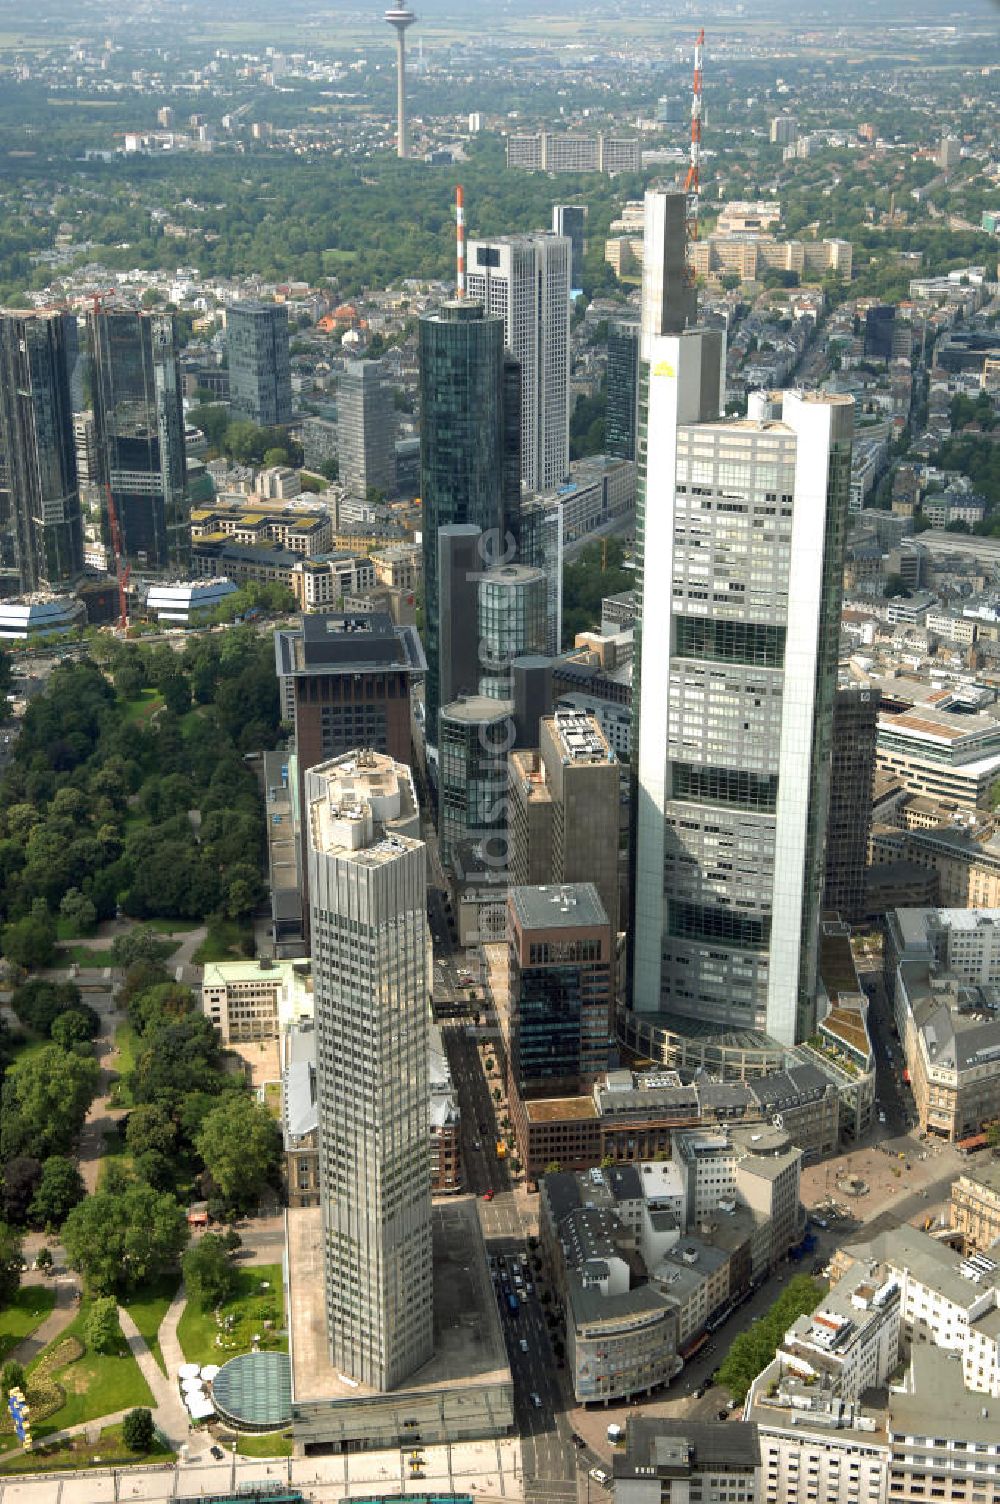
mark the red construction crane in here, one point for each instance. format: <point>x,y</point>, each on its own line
<point>692,183</point>
<point>122,570</point>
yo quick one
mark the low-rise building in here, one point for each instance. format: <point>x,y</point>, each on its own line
<point>687,1462</point>
<point>301,530</point>
<point>621,1332</point>
<point>939,748</point>
<point>975,1206</point>
<point>326,582</point>
<point>186,601</point>
<point>256,1000</point>
<point>690,1237</point>
<point>942,972</point>
<point>629,1117</point>
<point>821,1437</point>
<point>401,567</point>
<point>446,1121</point>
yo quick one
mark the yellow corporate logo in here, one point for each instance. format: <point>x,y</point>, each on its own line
<point>663,368</point>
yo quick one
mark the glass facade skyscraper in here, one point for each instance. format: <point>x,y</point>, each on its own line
<point>43,523</point>
<point>559,968</point>
<point>462,451</point>
<point>260,372</point>
<point>472,807</point>
<point>139,431</point>
<point>623,389</point>
<point>571,220</point>
<point>513,622</point>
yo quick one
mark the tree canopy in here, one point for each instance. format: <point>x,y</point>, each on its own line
<point>119,1240</point>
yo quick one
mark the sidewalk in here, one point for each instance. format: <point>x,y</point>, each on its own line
<point>171,1418</point>
<point>173,1357</point>
<point>58,1319</point>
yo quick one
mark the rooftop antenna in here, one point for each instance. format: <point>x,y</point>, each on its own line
<point>460,241</point>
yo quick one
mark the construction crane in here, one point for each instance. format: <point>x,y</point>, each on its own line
<point>692,183</point>
<point>122,570</point>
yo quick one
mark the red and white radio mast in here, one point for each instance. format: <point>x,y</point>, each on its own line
<point>692,184</point>
<point>460,241</point>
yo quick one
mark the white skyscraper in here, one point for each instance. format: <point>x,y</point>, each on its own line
<point>742,526</point>
<point>367,893</point>
<point>525,279</point>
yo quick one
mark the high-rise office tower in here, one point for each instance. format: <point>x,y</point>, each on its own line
<point>76,359</point>
<point>743,531</point>
<point>560,966</point>
<point>571,220</point>
<point>541,545</point>
<point>45,530</point>
<point>621,417</point>
<point>669,300</point>
<point>879,328</point>
<point>510,471</point>
<point>366,429</point>
<point>476,734</point>
<point>855,735</point>
<point>368,896</point>
<point>564,804</point>
<point>460,565</point>
<point>260,372</point>
<point>513,621</point>
<point>139,431</point>
<point>462,453</point>
<point>399,18</point>
<point>85,442</point>
<point>525,280</point>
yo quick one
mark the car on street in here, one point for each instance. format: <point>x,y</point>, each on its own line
<point>578,1440</point>
<point>536,1400</point>
<point>217,1453</point>
<point>523,1344</point>
<point>600,1476</point>
<point>488,1195</point>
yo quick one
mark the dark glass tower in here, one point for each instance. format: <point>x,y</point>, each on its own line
<point>623,389</point>
<point>260,372</point>
<point>139,429</point>
<point>463,461</point>
<point>571,220</point>
<point>39,456</point>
